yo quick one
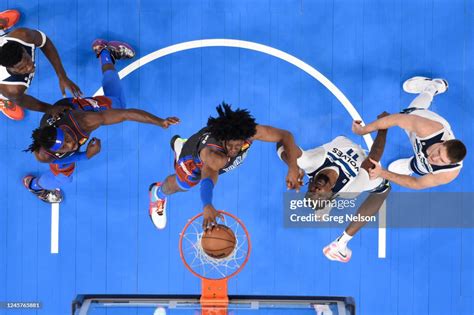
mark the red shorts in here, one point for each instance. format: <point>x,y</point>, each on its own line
<point>188,172</point>
<point>66,171</point>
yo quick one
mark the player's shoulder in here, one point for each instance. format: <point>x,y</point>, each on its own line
<point>341,141</point>
<point>24,34</point>
<point>212,157</point>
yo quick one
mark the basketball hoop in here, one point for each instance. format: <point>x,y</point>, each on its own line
<point>214,272</point>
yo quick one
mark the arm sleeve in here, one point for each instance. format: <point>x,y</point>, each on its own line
<point>363,183</point>
<point>309,160</point>
<point>73,158</point>
<point>207,187</point>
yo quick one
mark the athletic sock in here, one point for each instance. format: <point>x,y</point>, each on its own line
<point>431,89</point>
<point>105,57</point>
<point>344,239</point>
<point>34,184</point>
<point>157,193</point>
<point>424,99</point>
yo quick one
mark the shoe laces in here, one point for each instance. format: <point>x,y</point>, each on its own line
<point>158,206</point>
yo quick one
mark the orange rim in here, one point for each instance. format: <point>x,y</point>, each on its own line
<point>181,253</point>
<point>12,110</point>
<point>11,16</point>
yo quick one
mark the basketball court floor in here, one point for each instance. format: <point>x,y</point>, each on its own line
<point>309,66</point>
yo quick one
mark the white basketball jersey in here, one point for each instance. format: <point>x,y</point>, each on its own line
<point>343,156</point>
<point>8,78</point>
<point>419,163</point>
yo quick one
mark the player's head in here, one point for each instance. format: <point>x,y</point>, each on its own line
<point>232,128</point>
<point>319,187</point>
<point>14,57</point>
<point>53,139</point>
<point>448,152</point>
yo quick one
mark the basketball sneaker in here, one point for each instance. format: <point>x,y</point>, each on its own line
<point>338,253</point>
<point>118,50</point>
<point>401,166</point>
<point>416,85</point>
<point>177,144</point>
<point>157,208</point>
<point>8,19</point>
<point>11,110</point>
<point>49,196</point>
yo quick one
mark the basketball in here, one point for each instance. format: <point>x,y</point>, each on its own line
<point>219,242</point>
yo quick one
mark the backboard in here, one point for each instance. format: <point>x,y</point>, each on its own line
<point>190,304</point>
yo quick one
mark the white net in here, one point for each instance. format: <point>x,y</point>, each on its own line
<point>207,266</point>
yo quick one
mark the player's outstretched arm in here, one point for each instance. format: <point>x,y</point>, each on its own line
<point>93,120</point>
<point>42,41</point>
<point>411,123</point>
<point>15,93</point>
<point>282,154</point>
<point>378,146</point>
<point>417,183</point>
<point>212,162</point>
<point>271,134</point>
<point>368,208</point>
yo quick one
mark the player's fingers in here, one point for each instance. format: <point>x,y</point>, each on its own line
<point>63,90</point>
<point>76,92</point>
<point>79,91</point>
<point>297,187</point>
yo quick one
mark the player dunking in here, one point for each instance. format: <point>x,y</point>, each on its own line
<point>340,169</point>
<point>59,138</point>
<point>219,147</point>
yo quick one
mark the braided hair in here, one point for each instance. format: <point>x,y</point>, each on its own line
<point>231,124</point>
<point>42,137</point>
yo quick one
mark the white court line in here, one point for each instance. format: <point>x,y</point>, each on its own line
<point>382,252</point>
<point>269,51</point>
<point>54,228</point>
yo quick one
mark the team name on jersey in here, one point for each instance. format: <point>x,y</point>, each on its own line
<point>348,157</point>
<point>237,162</point>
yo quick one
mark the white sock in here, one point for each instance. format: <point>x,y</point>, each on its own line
<point>344,239</point>
<point>423,100</point>
<point>431,89</point>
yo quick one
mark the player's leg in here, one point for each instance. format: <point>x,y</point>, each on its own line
<point>47,187</point>
<point>108,53</point>
<point>185,178</point>
<point>338,250</point>
<point>426,89</point>
<point>159,193</point>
